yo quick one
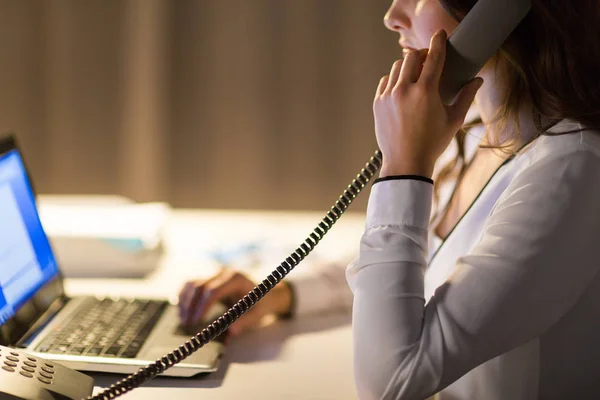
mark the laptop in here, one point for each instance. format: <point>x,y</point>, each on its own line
<point>117,335</point>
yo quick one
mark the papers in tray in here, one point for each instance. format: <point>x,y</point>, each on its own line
<point>104,236</point>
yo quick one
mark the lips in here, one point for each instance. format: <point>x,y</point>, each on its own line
<point>406,48</point>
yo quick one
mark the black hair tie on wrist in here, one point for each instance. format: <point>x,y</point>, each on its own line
<point>400,177</point>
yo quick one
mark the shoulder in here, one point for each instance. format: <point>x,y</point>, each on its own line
<point>551,188</point>
<point>581,145</point>
<point>557,166</point>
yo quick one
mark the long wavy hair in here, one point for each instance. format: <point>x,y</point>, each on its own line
<point>552,58</point>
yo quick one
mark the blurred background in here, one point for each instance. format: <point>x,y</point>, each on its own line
<point>245,104</point>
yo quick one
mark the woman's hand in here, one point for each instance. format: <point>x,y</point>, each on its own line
<point>228,286</point>
<point>412,125</point>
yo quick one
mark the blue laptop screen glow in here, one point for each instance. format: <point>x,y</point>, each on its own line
<point>26,259</point>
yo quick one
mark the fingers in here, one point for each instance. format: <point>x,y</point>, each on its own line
<point>424,65</point>
<point>395,73</point>
<point>389,81</point>
<point>185,297</point>
<point>464,99</point>
<point>190,295</point>
<point>228,286</point>
<point>434,62</point>
<point>213,292</point>
<point>202,295</point>
<point>183,293</point>
<point>411,67</point>
<point>382,85</point>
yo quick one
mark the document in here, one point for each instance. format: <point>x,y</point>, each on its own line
<point>99,239</point>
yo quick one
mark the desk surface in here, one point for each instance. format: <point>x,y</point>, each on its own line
<point>307,358</point>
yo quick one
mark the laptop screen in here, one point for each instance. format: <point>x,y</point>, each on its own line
<point>26,259</point>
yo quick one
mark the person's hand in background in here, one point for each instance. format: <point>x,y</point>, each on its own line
<point>227,287</point>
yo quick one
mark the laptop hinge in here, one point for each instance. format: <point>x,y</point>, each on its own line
<point>42,321</point>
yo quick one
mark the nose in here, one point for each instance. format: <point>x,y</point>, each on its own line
<point>395,18</point>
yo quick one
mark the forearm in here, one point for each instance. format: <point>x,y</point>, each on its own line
<point>387,281</point>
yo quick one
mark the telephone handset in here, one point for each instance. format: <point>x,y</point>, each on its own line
<point>477,38</point>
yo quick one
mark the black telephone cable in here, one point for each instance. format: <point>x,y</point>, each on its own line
<point>249,300</point>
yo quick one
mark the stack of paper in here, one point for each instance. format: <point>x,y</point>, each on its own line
<point>95,237</point>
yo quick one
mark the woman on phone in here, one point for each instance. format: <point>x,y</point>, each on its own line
<point>498,295</point>
<point>508,308</point>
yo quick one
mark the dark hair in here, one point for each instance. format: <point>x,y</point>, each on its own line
<point>552,57</point>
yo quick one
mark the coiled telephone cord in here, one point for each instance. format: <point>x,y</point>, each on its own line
<point>249,300</point>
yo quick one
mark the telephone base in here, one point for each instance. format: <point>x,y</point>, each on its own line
<point>24,376</point>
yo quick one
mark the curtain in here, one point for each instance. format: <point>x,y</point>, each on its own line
<point>246,104</point>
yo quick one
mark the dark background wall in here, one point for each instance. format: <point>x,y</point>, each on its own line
<point>256,104</point>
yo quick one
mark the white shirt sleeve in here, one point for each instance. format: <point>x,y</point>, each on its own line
<point>534,259</point>
<point>324,289</point>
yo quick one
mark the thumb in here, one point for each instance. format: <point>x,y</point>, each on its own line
<point>463,102</point>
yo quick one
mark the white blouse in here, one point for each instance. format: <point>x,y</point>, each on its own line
<point>322,286</point>
<point>508,306</point>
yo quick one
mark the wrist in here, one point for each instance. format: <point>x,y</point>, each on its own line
<point>395,169</point>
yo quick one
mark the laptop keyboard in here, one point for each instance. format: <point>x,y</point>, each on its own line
<point>107,328</point>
